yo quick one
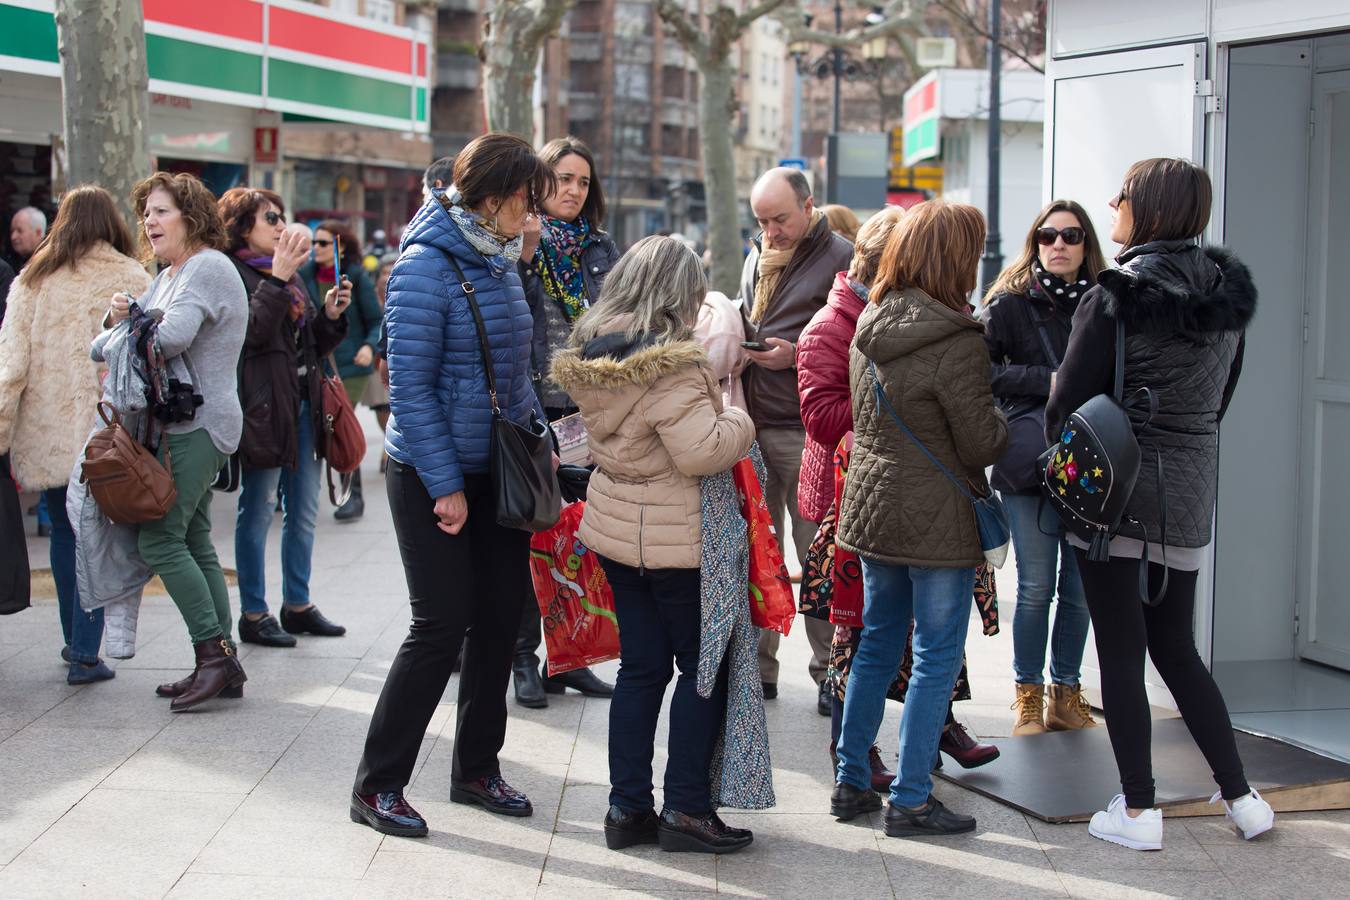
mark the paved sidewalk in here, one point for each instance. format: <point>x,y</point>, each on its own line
<point>104,794</point>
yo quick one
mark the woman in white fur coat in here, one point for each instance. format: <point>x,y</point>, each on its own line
<point>49,387</point>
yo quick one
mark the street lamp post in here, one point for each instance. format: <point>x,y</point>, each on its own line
<point>992,262</point>
<point>837,66</point>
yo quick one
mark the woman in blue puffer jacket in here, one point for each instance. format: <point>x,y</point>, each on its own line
<point>463,569</point>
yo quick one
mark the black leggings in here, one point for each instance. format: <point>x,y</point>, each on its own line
<point>1124,629</point>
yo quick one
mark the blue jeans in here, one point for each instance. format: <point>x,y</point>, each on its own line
<point>300,506</point>
<point>1038,540</point>
<point>938,601</point>
<point>659,629</point>
<point>82,630</point>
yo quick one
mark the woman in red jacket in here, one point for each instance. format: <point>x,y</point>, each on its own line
<point>822,382</point>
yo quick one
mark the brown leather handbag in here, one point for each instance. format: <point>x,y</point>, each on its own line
<point>126,481</point>
<point>344,440</point>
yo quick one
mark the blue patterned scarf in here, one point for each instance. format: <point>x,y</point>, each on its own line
<point>476,231</point>
<point>559,263</point>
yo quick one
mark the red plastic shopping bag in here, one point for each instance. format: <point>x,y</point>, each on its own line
<point>846,595</point>
<point>575,600</point>
<point>771,603</point>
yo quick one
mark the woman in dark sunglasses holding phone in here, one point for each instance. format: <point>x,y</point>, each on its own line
<point>289,331</point>
<point>1027,314</point>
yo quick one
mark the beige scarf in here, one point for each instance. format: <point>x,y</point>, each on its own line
<point>772,264</point>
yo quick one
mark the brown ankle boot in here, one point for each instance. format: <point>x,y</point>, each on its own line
<point>1029,706</point>
<point>217,670</point>
<point>177,688</point>
<point>1068,710</point>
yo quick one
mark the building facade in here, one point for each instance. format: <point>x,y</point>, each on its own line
<point>243,92</point>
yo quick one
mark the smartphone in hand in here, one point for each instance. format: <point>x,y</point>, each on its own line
<point>758,346</point>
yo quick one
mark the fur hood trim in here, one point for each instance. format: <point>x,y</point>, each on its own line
<point>574,372</point>
<point>1172,287</point>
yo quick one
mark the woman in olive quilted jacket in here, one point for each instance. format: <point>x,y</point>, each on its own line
<point>913,528</point>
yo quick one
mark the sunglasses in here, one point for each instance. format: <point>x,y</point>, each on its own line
<point>319,243</point>
<point>1047,235</point>
<point>272,217</point>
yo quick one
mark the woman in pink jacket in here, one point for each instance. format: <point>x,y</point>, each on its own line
<point>822,381</point>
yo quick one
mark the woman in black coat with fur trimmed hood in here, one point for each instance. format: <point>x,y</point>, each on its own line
<point>1185,310</point>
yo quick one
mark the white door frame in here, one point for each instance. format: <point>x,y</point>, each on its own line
<point>1316,389</point>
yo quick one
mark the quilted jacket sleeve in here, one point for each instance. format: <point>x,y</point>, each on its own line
<point>415,314</point>
<point>700,440</point>
<point>979,430</point>
<point>822,381</point>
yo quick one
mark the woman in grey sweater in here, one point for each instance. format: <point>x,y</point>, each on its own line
<point>204,313</point>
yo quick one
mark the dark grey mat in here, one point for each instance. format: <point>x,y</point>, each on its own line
<point>1066,776</point>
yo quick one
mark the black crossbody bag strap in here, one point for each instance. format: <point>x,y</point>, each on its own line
<point>1039,324</point>
<point>484,348</point>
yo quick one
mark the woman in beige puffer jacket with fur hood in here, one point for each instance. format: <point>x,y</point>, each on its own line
<point>49,386</point>
<point>653,411</point>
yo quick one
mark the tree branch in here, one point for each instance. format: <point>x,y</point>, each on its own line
<point>678,19</point>
<point>749,17</point>
<point>963,16</point>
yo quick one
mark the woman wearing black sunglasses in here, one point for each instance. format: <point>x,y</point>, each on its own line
<point>1027,313</point>
<point>288,333</point>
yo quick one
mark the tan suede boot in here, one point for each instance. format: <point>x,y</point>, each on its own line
<point>1030,709</point>
<point>1068,710</point>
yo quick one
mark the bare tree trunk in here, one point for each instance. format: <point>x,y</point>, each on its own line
<point>715,108</point>
<point>514,33</point>
<point>104,94</point>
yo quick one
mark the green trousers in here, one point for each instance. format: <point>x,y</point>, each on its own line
<point>178,547</point>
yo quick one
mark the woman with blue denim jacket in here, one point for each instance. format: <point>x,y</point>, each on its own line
<point>465,573</point>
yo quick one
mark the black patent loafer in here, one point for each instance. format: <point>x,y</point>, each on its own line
<point>309,621</point>
<point>933,819</point>
<point>265,631</point>
<point>583,681</point>
<point>493,794</point>
<point>529,686</point>
<point>624,828</point>
<point>388,813</point>
<point>848,802</point>
<point>678,832</point>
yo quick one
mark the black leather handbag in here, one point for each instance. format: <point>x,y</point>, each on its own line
<point>15,582</point>
<point>524,484</point>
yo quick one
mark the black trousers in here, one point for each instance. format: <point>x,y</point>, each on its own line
<point>659,629</point>
<point>1125,628</point>
<point>471,582</point>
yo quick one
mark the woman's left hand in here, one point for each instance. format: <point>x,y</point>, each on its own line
<point>365,356</point>
<point>339,297</point>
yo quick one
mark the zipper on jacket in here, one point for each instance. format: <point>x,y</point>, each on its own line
<point>642,515</point>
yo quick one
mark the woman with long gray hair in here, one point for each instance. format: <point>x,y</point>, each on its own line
<point>656,424</point>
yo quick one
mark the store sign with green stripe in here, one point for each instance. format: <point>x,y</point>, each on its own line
<point>283,55</point>
<point>922,113</point>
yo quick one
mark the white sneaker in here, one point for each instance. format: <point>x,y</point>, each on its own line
<point>1142,832</point>
<point>1251,815</point>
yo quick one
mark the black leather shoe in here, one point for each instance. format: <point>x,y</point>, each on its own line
<point>677,832</point>
<point>310,621</point>
<point>770,690</point>
<point>583,681</point>
<point>848,802</point>
<point>388,813</point>
<point>265,631</point>
<point>933,819</point>
<point>628,829</point>
<point>529,688</point>
<point>494,795</point>
<point>825,699</point>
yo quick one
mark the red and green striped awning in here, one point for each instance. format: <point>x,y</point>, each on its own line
<point>282,55</point>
